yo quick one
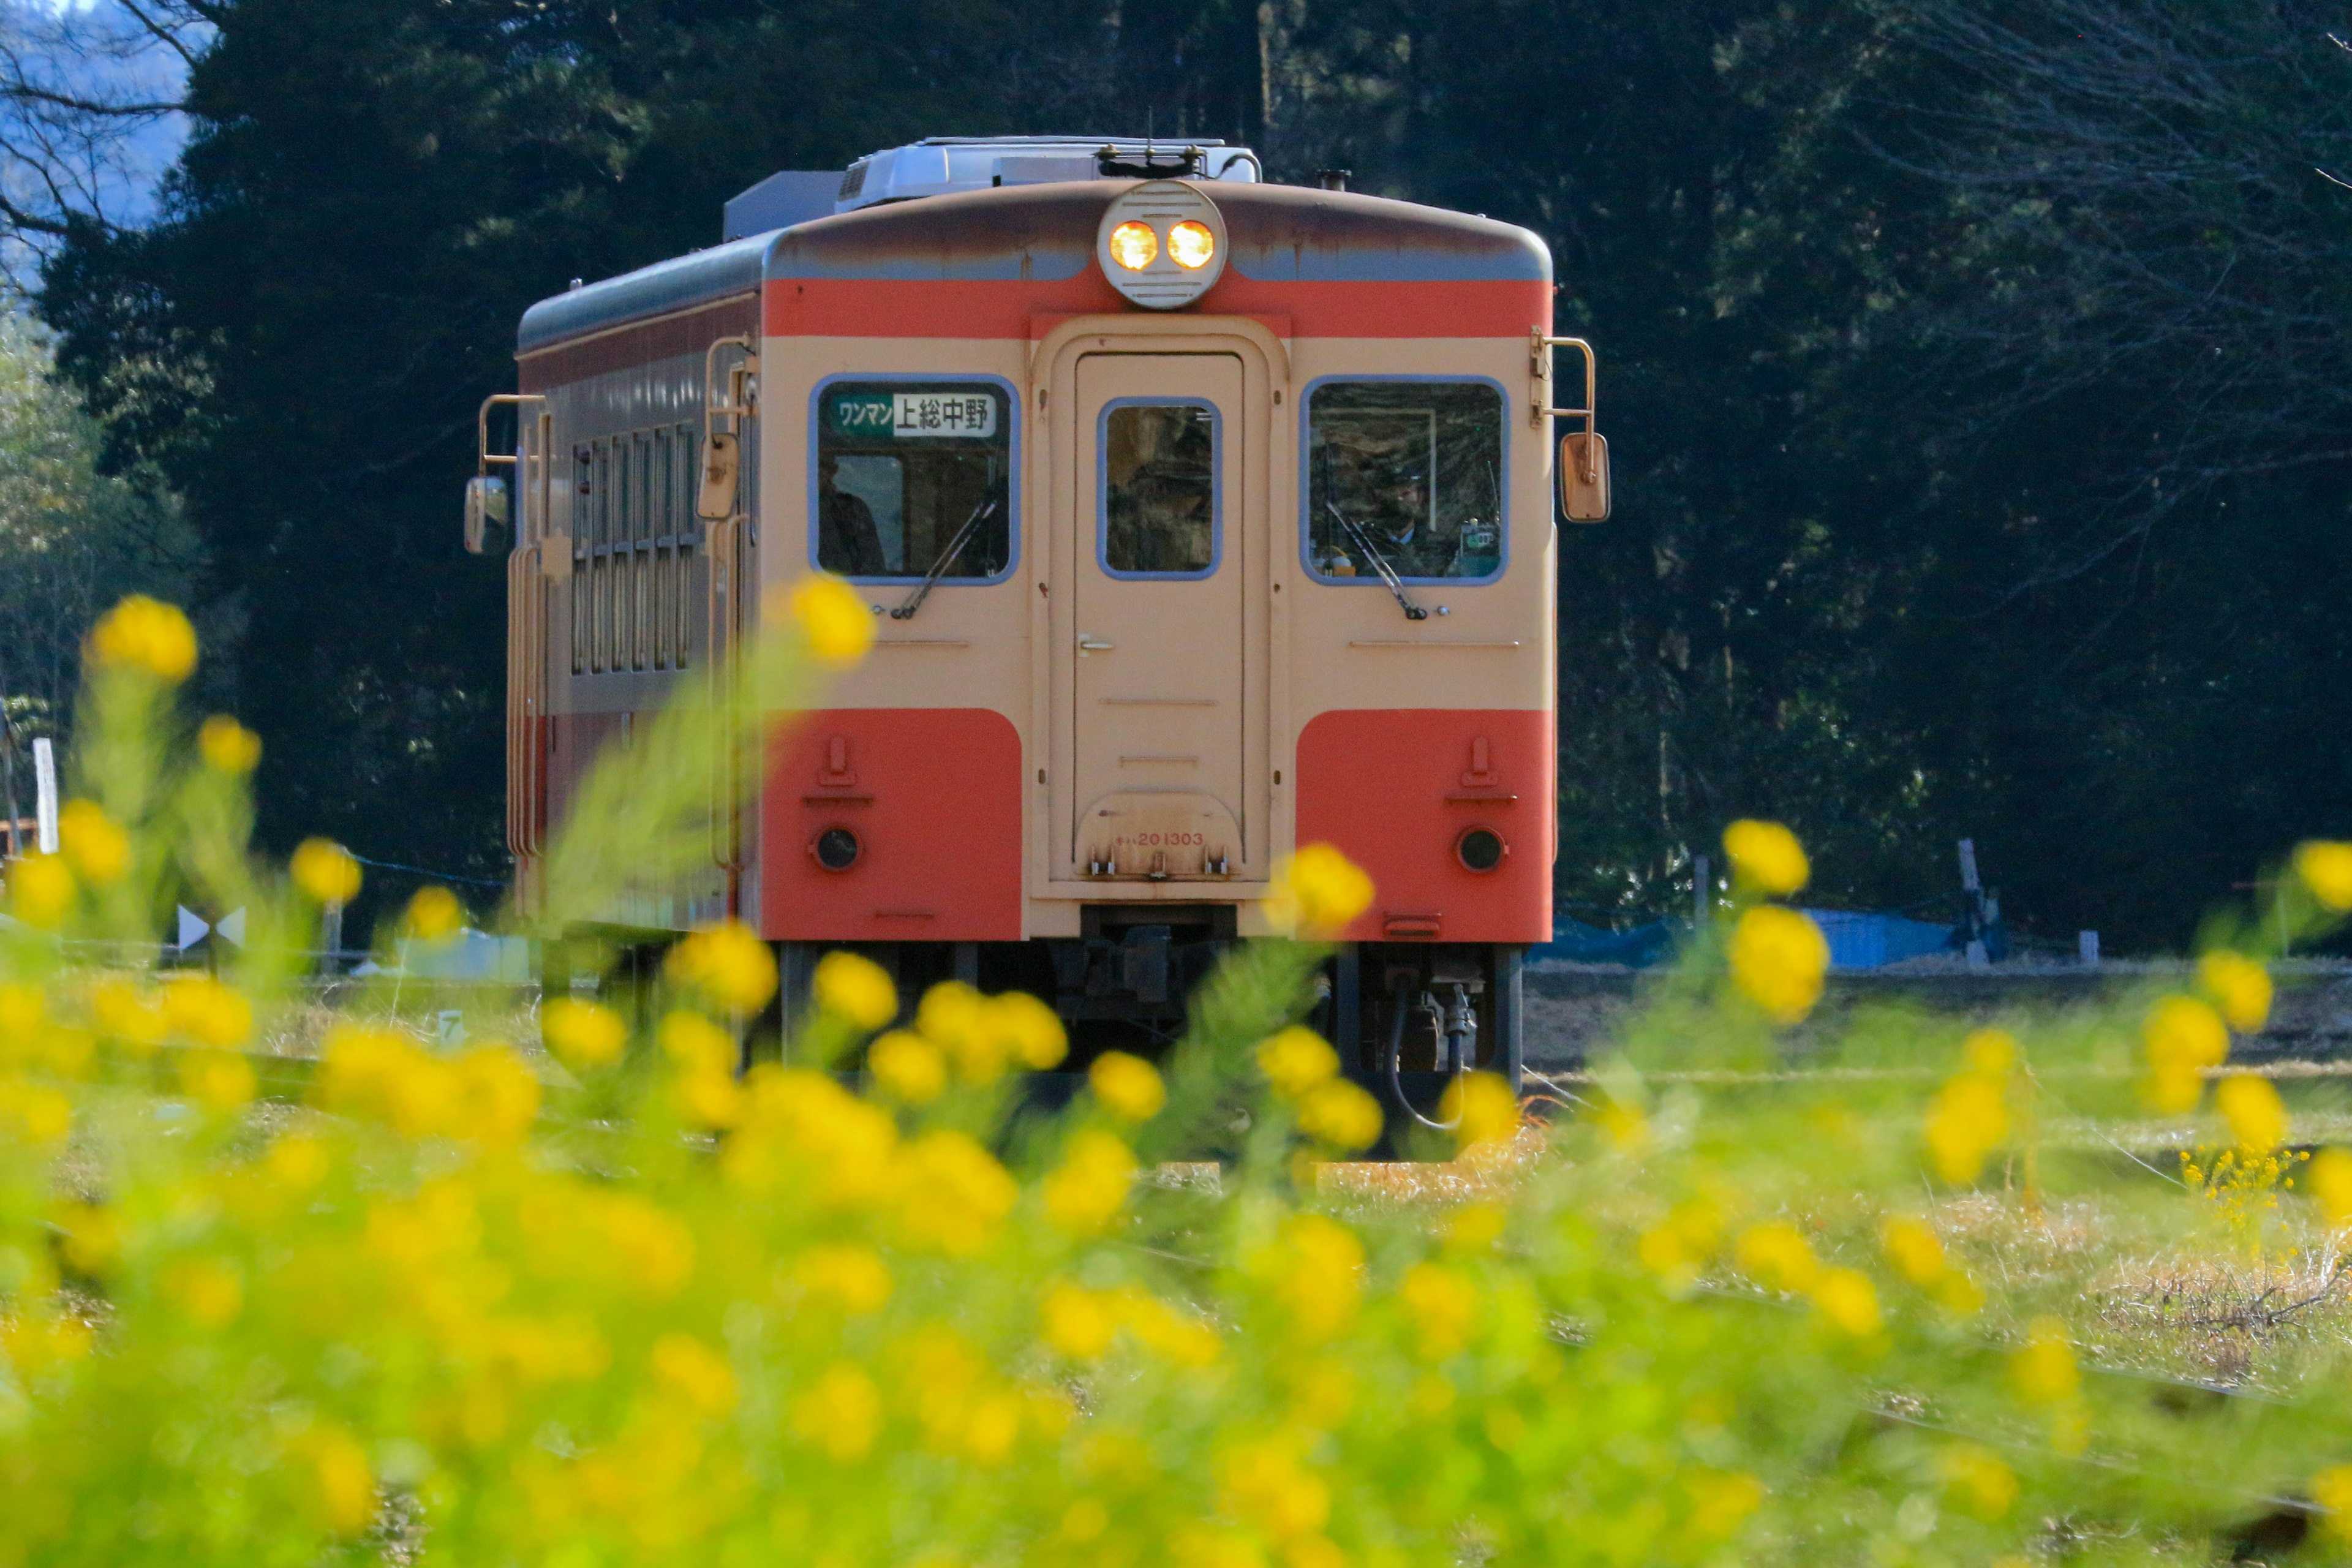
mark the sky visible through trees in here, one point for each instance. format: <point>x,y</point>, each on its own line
<point>1975,369</point>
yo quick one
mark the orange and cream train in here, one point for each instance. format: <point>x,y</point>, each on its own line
<point>1200,518</point>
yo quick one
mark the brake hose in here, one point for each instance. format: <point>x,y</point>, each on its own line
<point>1463,1035</point>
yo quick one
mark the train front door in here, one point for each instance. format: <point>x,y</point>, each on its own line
<point>1160,549</point>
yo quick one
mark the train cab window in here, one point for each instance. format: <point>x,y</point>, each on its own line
<point>910,474</point>
<point>1403,474</point>
<point>1159,488</point>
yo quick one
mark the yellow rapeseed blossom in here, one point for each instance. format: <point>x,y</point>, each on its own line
<point>227,746</point>
<point>2043,1371</point>
<point>123,1013</point>
<point>1990,1053</point>
<point>325,872</point>
<point>728,963</point>
<point>207,1290</point>
<point>838,623</point>
<point>1774,1253</point>
<point>840,1413</point>
<point>434,915</point>
<point>1295,1060</point>
<point>1777,960</point>
<point>41,1114</point>
<point>1088,1190</point>
<point>1483,1108</point>
<point>1031,1029</point>
<point>856,988</point>
<point>2329,1180</point>
<point>496,1097</point>
<point>2331,1488</point>
<point>1976,1478</point>
<point>2326,867</point>
<point>1913,1248</point>
<point>1264,1483</point>
<point>40,891</point>
<point>2183,1036</point>
<point>2258,1121</point>
<point>146,636</point>
<point>1721,1503</point>
<point>1078,1322</point>
<point>698,1375</point>
<point>1340,1115</point>
<point>1677,1247</point>
<point>1966,1122</point>
<point>1766,857</point>
<point>94,843</point>
<point>1316,891</point>
<point>219,1080</point>
<point>849,1276</point>
<point>2239,987</point>
<point>1847,1297</point>
<point>908,1067</point>
<point>1318,1274</point>
<point>956,1194</point>
<point>1127,1086</point>
<point>207,1012</point>
<point>582,1033</point>
<point>93,1237</point>
<point>1442,1304</point>
<point>695,1044</point>
<point>341,1486</point>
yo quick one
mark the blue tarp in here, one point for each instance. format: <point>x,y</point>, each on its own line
<point>1580,944</point>
<point>1857,940</point>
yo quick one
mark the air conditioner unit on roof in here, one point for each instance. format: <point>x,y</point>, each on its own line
<point>939,165</point>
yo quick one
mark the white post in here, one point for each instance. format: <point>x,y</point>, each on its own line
<point>1702,893</point>
<point>45,784</point>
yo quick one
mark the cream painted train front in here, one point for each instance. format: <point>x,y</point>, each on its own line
<point>1200,518</point>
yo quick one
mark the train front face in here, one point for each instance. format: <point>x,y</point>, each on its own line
<point>1201,521</point>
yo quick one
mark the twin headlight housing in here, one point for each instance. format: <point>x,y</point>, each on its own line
<point>1161,244</point>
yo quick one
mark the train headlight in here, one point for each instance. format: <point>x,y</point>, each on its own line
<point>1191,245</point>
<point>1133,245</point>
<point>1161,244</point>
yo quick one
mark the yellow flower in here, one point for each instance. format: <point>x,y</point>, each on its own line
<point>207,1011</point>
<point>1975,1475</point>
<point>1967,1119</point>
<point>582,1033</point>
<point>1316,891</point>
<point>325,872</point>
<point>955,1193</point>
<point>2241,986</point>
<point>1776,1255</point>
<point>698,1375</point>
<point>838,625</point>
<point>1766,857</point>
<point>1778,959</point>
<point>342,1489</point>
<point>840,1413</point>
<point>1078,1322</point>
<point>1440,1304</point>
<point>221,1080</point>
<point>2331,1488</point>
<point>2183,1036</point>
<point>1295,1060</point>
<point>728,963</point>
<point>2326,867</point>
<point>910,1069</point>
<point>1848,1299</point>
<point>1030,1028</point>
<point>695,1044</point>
<point>94,842</point>
<point>2043,1371</point>
<point>435,914</point>
<point>1340,1115</point>
<point>1913,1246</point>
<point>145,634</point>
<point>1676,1248</point>
<point>205,1289</point>
<point>1087,1193</point>
<point>40,889</point>
<point>1720,1503</point>
<point>1990,1053</point>
<point>2257,1119</point>
<point>1319,1274</point>
<point>1485,1111</point>
<point>497,1094</point>
<point>1128,1087</point>
<point>2330,1180</point>
<point>855,988</point>
<point>850,1275</point>
<point>227,746</point>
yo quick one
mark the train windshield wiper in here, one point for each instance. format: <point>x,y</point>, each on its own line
<point>1388,573</point>
<point>980,514</point>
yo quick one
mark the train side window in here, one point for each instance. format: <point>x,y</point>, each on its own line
<point>1404,473</point>
<point>1159,499</point>
<point>909,475</point>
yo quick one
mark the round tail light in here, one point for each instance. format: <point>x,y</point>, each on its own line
<point>1480,850</point>
<point>836,849</point>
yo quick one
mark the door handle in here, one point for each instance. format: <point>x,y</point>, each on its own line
<point>1087,644</point>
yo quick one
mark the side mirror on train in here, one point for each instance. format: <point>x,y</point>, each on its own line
<point>722,460</point>
<point>486,508</point>
<point>1584,476</point>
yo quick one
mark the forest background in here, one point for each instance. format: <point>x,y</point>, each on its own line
<point>1976,372</point>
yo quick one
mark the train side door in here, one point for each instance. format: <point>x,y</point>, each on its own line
<point>1158,551</point>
